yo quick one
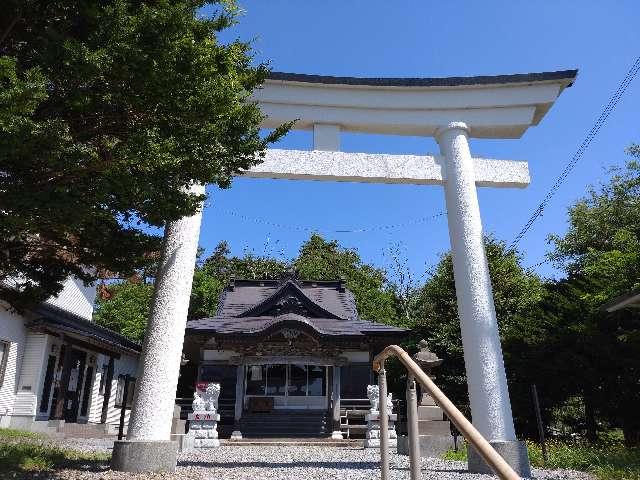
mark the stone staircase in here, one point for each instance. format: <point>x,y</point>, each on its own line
<point>286,424</point>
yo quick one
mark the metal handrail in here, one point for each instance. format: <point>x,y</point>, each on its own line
<point>472,435</point>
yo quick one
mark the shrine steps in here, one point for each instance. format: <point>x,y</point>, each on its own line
<point>293,442</point>
<point>286,424</point>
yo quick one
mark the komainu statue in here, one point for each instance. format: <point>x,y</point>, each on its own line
<point>373,393</point>
<point>207,400</point>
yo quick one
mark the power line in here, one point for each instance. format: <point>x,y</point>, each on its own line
<point>613,102</point>
<point>531,268</point>
<point>309,229</point>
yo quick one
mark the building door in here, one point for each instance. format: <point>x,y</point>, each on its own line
<point>73,393</point>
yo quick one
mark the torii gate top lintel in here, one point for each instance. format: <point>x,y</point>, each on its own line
<point>501,106</point>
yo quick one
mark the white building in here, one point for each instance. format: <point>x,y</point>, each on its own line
<point>58,368</point>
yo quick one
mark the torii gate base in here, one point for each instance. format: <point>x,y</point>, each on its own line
<point>451,110</point>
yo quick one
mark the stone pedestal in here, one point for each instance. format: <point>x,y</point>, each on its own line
<point>435,433</point>
<point>373,430</point>
<point>514,452</point>
<point>137,456</point>
<point>203,428</point>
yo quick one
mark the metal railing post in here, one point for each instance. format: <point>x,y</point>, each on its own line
<point>473,436</point>
<point>383,418</point>
<point>412,427</point>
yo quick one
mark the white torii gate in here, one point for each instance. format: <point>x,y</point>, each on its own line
<point>450,109</point>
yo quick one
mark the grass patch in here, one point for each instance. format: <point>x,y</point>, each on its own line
<point>607,461</point>
<point>31,452</point>
<point>12,434</point>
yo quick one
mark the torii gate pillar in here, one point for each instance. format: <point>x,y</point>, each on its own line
<point>486,377</point>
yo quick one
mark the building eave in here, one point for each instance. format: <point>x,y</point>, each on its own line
<point>53,319</point>
<point>627,300</point>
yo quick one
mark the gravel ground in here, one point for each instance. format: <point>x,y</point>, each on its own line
<point>291,462</point>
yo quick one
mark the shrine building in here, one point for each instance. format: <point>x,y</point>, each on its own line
<point>290,356</point>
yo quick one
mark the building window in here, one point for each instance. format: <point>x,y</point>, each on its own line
<point>294,380</point>
<point>48,383</point>
<point>86,394</point>
<point>276,380</point>
<point>5,347</point>
<point>317,383</point>
<point>120,391</point>
<point>256,379</point>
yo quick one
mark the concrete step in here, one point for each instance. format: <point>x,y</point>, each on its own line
<point>299,441</point>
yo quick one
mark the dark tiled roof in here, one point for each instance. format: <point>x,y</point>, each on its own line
<point>629,299</point>
<point>243,306</point>
<point>292,288</point>
<point>569,75</point>
<point>248,293</point>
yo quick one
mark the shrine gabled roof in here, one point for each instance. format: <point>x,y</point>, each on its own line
<point>243,295</point>
<point>254,307</point>
<point>291,288</point>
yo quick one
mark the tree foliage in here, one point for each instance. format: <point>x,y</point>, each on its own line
<point>603,238</point>
<point>124,308</point>
<point>109,111</point>
<point>601,254</point>
<point>320,259</point>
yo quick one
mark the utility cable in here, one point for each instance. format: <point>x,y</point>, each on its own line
<point>309,229</point>
<point>613,102</point>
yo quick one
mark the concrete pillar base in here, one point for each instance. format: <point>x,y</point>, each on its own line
<point>139,456</point>
<point>514,452</point>
<point>431,446</point>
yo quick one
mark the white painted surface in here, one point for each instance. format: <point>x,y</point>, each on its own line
<point>125,365</point>
<point>217,355</point>
<point>31,374</point>
<point>381,168</point>
<point>356,357</point>
<point>326,137</point>
<point>75,298</point>
<point>162,349</point>
<point>490,111</point>
<point>488,393</point>
<point>13,331</point>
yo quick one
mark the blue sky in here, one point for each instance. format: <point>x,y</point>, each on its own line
<point>431,39</point>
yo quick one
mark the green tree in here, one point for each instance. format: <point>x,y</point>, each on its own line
<point>603,238</point>
<point>214,275</point>
<point>124,307</point>
<point>601,254</point>
<point>109,110</point>
<point>320,259</point>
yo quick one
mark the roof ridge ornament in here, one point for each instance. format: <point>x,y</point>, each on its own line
<point>290,275</point>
